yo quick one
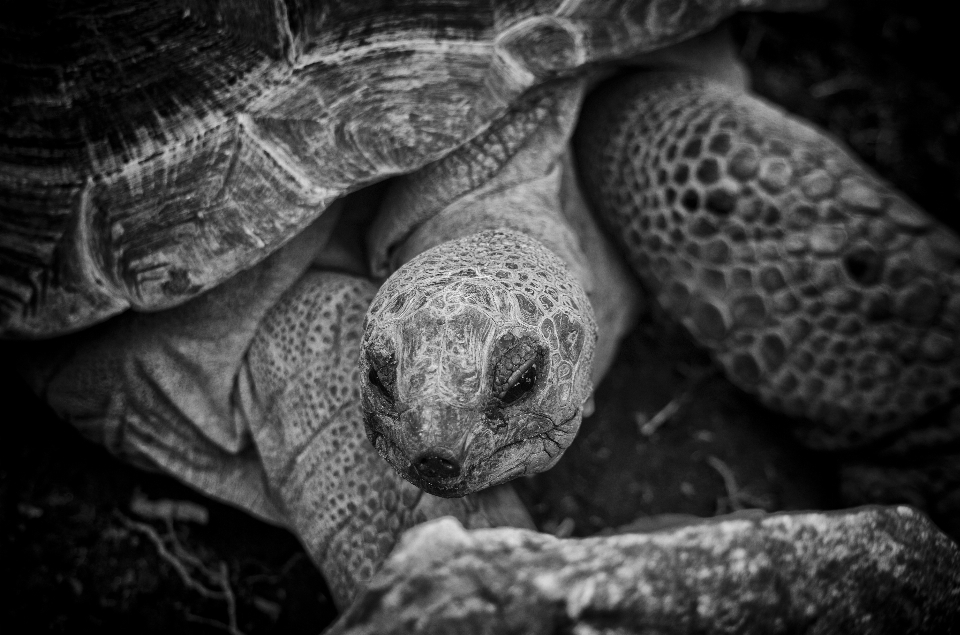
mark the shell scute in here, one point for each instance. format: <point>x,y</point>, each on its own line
<point>159,149</point>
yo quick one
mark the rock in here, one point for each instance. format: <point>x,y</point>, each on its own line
<point>867,570</point>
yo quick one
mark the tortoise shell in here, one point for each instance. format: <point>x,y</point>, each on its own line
<point>149,151</point>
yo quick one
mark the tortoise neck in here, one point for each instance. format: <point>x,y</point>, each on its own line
<point>532,208</point>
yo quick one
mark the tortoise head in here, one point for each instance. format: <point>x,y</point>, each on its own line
<point>475,363</point>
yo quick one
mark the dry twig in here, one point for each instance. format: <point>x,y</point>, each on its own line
<point>736,498</point>
<point>651,425</point>
<point>167,510</point>
<point>182,562</point>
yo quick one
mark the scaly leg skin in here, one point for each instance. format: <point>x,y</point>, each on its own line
<point>346,504</point>
<point>183,391</point>
<point>814,284</point>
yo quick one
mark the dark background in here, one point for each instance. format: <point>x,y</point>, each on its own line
<point>881,75</point>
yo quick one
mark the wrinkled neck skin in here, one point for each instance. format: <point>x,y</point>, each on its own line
<point>532,207</point>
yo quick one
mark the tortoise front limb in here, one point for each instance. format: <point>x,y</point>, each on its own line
<point>174,391</point>
<point>301,382</point>
<point>157,389</point>
<point>814,284</point>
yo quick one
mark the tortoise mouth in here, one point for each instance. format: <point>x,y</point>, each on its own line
<point>454,490</point>
<point>390,452</point>
<point>461,485</point>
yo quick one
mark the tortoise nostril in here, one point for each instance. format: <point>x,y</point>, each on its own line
<point>431,465</point>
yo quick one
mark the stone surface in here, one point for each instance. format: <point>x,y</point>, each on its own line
<point>867,570</point>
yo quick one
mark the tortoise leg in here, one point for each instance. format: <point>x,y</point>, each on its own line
<point>814,284</point>
<point>270,354</point>
<point>346,504</point>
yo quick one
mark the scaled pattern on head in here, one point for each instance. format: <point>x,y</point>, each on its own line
<point>475,363</point>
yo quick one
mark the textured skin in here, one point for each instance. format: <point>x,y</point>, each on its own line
<point>163,390</point>
<point>444,332</point>
<point>250,394</point>
<point>518,149</point>
<point>815,285</point>
<point>509,177</point>
<point>346,504</point>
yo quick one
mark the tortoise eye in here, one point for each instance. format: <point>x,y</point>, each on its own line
<point>520,384</point>
<point>375,380</point>
<point>383,377</point>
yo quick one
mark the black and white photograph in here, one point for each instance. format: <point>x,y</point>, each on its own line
<point>547,317</point>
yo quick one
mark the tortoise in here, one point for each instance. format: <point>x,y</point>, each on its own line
<point>336,264</point>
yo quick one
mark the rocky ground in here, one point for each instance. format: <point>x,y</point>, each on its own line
<point>669,436</point>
